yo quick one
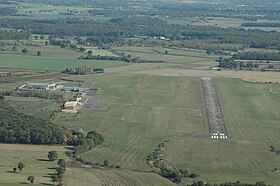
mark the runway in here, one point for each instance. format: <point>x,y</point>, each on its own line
<point>217,128</point>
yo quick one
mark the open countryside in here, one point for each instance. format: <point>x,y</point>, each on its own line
<point>139,93</point>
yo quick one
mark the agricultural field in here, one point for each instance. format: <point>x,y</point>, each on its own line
<point>35,159</point>
<point>183,21</point>
<point>153,111</point>
<point>234,22</point>
<point>52,58</point>
<point>100,52</point>
<point>190,58</point>
<point>40,108</point>
<point>97,177</point>
<point>43,11</point>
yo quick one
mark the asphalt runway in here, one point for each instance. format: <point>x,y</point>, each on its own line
<point>217,128</point>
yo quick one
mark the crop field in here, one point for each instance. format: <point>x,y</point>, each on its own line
<point>161,50</point>
<point>235,22</point>
<point>33,156</point>
<point>44,63</point>
<point>221,22</point>
<point>191,58</point>
<point>179,71</point>
<point>32,11</point>
<point>97,177</point>
<point>40,108</point>
<point>183,21</point>
<point>47,51</point>
<point>99,52</point>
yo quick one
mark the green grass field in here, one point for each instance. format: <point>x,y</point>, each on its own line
<point>97,177</point>
<point>30,155</point>
<point>145,104</point>
<point>139,113</point>
<point>53,58</point>
<point>235,22</point>
<point>192,58</point>
<point>252,119</point>
<point>40,108</point>
<point>56,12</point>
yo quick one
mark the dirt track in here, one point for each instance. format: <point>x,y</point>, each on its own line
<point>216,122</point>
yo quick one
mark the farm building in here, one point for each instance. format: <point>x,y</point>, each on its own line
<point>70,105</point>
<point>41,86</point>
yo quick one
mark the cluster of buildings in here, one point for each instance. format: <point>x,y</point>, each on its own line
<point>71,106</point>
<point>47,86</point>
<point>154,37</point>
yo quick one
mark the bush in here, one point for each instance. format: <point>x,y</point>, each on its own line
<point>24,51</point>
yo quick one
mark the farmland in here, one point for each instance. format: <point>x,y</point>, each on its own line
<point>32,157</point>
<point>140,111</point>
<point>122,121</point>
<point>191,58</point>
<point>234,22</point>
<point>41,108</point>
<point>53,58</point>
<point>145,118</point>
<point>96,177</point>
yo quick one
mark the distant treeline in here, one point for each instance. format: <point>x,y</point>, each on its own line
<point>260,24</point>
<point>83,70</point>
<point>238,183</point>
<point>80,2</point>
<point>7,11</point>
<point>13,35</point>
<point>122,58</point>
<point>229,9</point>
<point>257,56</point>
<point>230,63</point>
<point>17,127</point>
<point>125,29</point>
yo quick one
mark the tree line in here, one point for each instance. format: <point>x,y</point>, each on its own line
<point>275,56</point>
<point>158,165</point>
<point>125,29</point>
<point>125,58</point>
<point>231,63</point>
<point>14,35</point>
<point>16,127</point>
<point>83,69</point>
<point>7,11</point>
<point>82,141</point>
<point>260,24</point>
<point>269,9</point>
<point>237,183</point>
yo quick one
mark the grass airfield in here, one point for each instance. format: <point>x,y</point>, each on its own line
<point>145,104</point>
